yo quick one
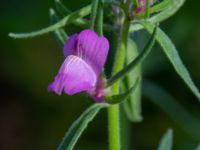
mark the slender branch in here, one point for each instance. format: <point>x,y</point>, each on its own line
<point>113,110</point>
<point>73,16</point>
<point>94,13</point>
<point>100,18</point>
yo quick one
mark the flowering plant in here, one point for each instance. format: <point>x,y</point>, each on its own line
<point>86,53</point>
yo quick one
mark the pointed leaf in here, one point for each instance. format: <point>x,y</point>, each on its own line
<point>75,131</point>
<point>166,141</point>
<point>62,8</point>
<point>172,54</point>
<point>176,112</point>
<point>132,105</point>
<point>65,12</point>
<point>174,6</point>
<point>60,34</point>
<point>161,6</point>
<point>115,99</point>
<point>135,61</point>
<point>84,23</point>
<point>73,16</point>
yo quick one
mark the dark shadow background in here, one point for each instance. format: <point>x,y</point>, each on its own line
<point>31,118</point>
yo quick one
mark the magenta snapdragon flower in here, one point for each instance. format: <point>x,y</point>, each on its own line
<point>85,55</point>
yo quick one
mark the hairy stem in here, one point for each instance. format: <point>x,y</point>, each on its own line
<point>113,110</point>
<point>114,127</point>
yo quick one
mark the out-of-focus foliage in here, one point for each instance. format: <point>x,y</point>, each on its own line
<point>166,141</point>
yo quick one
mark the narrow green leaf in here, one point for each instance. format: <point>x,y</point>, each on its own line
<point>168,12</point>
<point>160,6</point>
<point>65,12</point>
<point>147,11</point>
<point>60,34</point>
<point>100,18</point>
<point>134,62</point>
<point>76,129</point>
<point>173,109</point>
<point>132,105</point>
<point>73,16</point>
<point>115,99</point>
<point>173,56</point>
<point>94,13</point>
<point>62,8</point>
<point>166,141</point>
<point>174,6</point>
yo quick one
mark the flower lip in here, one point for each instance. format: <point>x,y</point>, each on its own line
<point>74,76</point>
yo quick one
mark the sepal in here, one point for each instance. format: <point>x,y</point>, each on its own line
<point>115,99</point>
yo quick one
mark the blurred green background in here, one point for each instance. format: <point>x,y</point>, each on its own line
<point>31,118</point>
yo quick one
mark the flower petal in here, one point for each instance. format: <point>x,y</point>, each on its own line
<point>74,76</point>
<point>92,49</point>
<point>70,45</point>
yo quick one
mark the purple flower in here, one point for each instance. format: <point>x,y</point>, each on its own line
<point>85,56</point>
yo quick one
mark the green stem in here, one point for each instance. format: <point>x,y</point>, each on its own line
<point>113,110</point>
<point>68,19</point>
<point>125,130</point>
<point>94,13</point>
<point>99,27</point>
<point>114,127</point>
<point>147,12</point>
<point>120,56</point>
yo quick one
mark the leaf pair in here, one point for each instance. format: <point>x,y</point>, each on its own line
<point>174,58</point>
<point>126,70</point>
<point>134,62</point>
